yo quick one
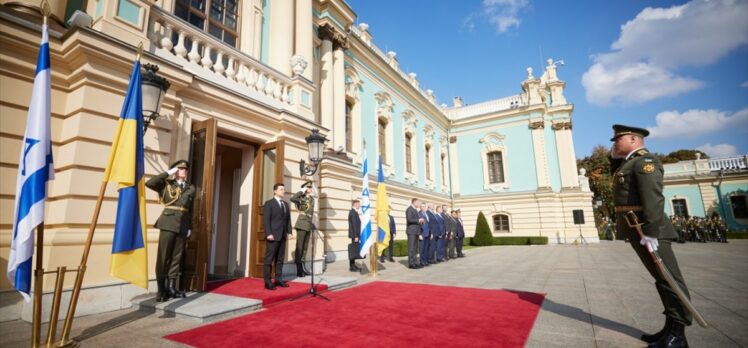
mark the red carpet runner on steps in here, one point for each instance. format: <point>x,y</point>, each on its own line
<point>255,288</point>
<point>382,314</point>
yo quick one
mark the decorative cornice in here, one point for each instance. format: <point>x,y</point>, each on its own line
<point>328,32</point>
<point>561,125</point>
<point>537,125</point>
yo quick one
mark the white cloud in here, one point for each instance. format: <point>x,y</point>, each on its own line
<point>718,150</point>
<point>657,42</point>
<point>503,14</point>
<point>696,122</point>
<point>744,84</point>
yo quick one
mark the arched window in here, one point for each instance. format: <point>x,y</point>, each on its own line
<point>382,137</point>
<point>501,223</point>
<point>348,126</point>
<point>428,162</point>
<point>443,165</point>
<point>495,167</point>
<point>408,152</point>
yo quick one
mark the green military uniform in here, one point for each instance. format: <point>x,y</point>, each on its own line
<point>175,223</point>
<point>304,226</point>
<point>637,186</point>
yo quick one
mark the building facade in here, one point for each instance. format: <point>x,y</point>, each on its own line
<point>704,187</point>
<point>249,80</point>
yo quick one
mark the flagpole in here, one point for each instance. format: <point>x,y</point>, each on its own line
<point>38,288</point>
<point>65,340</point>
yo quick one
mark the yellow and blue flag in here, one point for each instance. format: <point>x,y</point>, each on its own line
<point>383,213</point>
<point>129,257</point>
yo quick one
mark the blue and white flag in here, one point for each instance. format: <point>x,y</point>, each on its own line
<point>367,238</point>
<point>35,169</point>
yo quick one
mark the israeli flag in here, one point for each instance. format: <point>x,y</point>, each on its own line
<point>367,238</point>
<point>35,169</point>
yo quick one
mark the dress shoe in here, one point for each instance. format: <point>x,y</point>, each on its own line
<point>675,338</point>
<point>391,260</point>
<point>412,267</point>
<point>270,286</point>
<point>354,269</point>
<point>281,283</point>
<point>651,338</point>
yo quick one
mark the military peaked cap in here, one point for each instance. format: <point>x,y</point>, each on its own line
<point>180,164</point>
<point>619,130</point>
<point>308,183</point>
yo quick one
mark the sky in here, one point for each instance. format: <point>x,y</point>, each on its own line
<point>677,68</point>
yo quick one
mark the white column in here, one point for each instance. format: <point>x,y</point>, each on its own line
<point>281,35</point>
<point>454,167</point>
<point>338,75</point>
<point>326,86</point>
<point>566,158</point>
<point>304,34</point>
<point>541,159</point>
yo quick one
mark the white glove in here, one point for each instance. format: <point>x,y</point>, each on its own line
<point>650,243</point>
<point>189,233</point>
<point>172,171</point>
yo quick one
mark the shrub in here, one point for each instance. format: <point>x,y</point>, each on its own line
<point>483,234</point>
<point>737,235</point>
<point>518,240</point>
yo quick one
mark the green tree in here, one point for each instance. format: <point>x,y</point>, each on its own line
<point>683,155</point>
<point>597,166</point>
<point>483,234</point>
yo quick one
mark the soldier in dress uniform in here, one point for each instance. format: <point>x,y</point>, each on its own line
<point>175,224</point>
<point>637,186</point>
<point>304,201</point>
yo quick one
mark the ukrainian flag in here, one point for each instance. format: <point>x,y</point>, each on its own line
<point>383,216</point>
<point>129,257</point>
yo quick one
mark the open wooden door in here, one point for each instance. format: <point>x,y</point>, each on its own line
<point>202,160</point>
<point>268,171</point>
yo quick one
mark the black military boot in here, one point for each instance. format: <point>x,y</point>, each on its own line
<point>676,338</point>
<point>650,338</point>
<point>300,270</point>
<point>173,291</point>
<point>161,295</point>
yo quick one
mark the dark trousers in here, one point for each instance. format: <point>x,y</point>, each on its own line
<point>433,245</point>
<point>412,249</point>
<point>275,251</point>
<point>458,244</point>
<point>390,248</point>
<point>302,242</point>
<point>451,247</point>
<point>169,255</point>
<point>425,245</point>
<point>673,307</point>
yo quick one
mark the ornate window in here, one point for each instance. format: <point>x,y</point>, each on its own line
<point>442,166</point>
<point>428,136</point>
<point>218,18</point>
<point>408,152</point>
<point>495,167</point>
<point>493,157</point>
<point>384,131</point>
<point>382,139</point>
<point>501,223</point>
<point>739,206</point>
<point>353,86</point>
<point>428,161</point>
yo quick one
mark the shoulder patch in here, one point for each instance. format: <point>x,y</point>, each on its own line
<point>642,152</point>
<point>648,168</point>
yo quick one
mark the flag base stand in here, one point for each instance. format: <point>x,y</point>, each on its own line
<point>312,287</point>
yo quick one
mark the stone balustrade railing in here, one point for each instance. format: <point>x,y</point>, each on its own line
<point>495,105</point>
<point>729,163</point>
<point>181,41</point>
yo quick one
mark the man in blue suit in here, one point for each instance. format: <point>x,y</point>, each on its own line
<point>441,242</point>
<point>425,235</point>
<point>434,229</point>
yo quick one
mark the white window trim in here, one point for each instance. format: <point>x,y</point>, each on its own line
<point>384,112</point>
<point>409,127</point>
<point>672,206</point>
<point>352,89</point>
<point>494,142</point>
<point>428,141</point>
<point>509,221</point>
<point>444,142</point>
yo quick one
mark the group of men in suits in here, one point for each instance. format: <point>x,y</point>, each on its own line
<point>434,235</point>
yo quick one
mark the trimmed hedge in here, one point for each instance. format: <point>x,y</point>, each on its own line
<point>737,235</point>
<point>401,246</point>
<point>483,235</point>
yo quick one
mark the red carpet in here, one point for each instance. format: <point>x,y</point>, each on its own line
<point>383,314</point>
<point>255,288</point>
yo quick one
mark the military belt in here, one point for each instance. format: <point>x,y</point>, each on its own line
<point>628,208</point>
<point>176,208</point>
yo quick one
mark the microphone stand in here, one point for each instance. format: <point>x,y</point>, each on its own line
<point>312,287</point>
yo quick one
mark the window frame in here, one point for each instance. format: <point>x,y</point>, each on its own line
<point>507,222</point>
<point>208,20</point>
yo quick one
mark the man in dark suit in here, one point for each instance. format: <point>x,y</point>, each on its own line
<point>276,217</point>
<point>354,233</point>
<point>452,234</point>
<point>425,235</point>
<point>460,234</point>
<point>436,226</point>
<point>175,225</point>
<point>413,230</point>
<point>391,247</point>
<point>447,229</point>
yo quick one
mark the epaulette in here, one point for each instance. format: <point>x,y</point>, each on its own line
<point>642,152</point>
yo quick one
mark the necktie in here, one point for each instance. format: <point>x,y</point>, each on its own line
<point>283,206</point>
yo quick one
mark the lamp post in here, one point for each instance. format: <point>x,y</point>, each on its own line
<point>154,89</point>
<point>316,143</point>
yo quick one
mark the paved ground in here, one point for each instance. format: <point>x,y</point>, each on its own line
<point>597,295</point>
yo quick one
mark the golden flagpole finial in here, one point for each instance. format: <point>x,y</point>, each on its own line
<point>45,10</point>
<point>139,51</point>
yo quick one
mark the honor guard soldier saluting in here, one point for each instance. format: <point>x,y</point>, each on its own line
<point>304,201</point>
<point>637,188</point>
<point>175,224</point>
